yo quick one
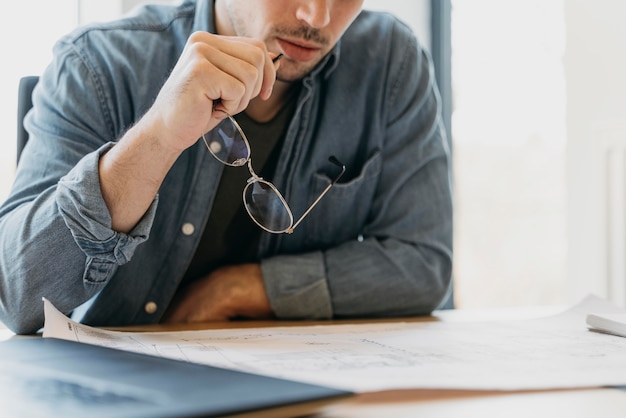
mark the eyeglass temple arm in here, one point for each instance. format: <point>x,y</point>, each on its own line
<point>338,163</point>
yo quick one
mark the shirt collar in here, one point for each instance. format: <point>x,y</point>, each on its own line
<point>205,16</point>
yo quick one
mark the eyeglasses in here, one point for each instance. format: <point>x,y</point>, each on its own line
<point>262,200</point>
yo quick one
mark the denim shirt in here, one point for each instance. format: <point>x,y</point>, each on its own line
<point>378,244</point>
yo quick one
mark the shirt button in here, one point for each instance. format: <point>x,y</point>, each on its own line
<point>151,307</point>
<point>188,228</point>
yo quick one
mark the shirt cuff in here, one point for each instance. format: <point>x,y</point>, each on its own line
<point>85,213</point>
<point>296,286</point>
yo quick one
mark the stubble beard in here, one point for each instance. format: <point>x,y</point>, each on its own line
<point>289,70</point>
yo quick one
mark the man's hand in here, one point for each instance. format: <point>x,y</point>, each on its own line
<point>213,71</point>
<point>228,292</point>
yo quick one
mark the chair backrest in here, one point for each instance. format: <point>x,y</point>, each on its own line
<point>24,104</point>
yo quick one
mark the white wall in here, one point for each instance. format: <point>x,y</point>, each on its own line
<point>595,65</point>
<point>98,10</point>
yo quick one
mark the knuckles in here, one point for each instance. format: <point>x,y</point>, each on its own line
<point>234,78</point>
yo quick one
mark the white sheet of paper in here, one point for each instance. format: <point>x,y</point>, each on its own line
<point>545,353</point>
<point>610,323</point>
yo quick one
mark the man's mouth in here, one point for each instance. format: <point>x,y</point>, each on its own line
<point>299,51</point>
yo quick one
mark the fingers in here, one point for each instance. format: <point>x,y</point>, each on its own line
<point>269,76</point>
<point>235,70</point>
<point>213,73</point>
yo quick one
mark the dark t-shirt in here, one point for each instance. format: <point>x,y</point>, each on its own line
<point>230,236</point>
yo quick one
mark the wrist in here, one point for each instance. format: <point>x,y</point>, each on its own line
<point>158,135</point>
<point>246,295</point>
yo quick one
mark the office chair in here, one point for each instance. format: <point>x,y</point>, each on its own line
<point>24,104</point>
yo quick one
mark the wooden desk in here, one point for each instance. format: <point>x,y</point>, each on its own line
<point>588,402</point>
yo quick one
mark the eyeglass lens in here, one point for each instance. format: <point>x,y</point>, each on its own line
<point>266,206</point>
<point>227,143</point>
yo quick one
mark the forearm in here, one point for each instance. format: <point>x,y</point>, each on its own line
<point>132,172</point>
<point>387,278</point>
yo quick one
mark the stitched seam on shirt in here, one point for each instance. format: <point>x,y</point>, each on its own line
<point>396,88</point>
<point>99,88</point>
<point>97,271</point>
<point>124,25</point>
<point>134,25</point>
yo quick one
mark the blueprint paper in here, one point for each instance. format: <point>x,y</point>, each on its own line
<point>544,353</point>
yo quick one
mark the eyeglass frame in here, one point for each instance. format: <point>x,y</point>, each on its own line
<point>255,178</point>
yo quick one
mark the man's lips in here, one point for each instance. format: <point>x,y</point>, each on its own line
<point>298,51</point>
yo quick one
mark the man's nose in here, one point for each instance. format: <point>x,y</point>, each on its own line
<point>315,13</point>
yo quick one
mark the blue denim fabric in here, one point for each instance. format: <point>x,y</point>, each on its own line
<point>378,244</point>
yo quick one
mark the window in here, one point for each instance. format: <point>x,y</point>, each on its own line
<point>508,131</point>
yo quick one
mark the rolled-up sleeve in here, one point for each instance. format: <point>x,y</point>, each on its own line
<point>299,287</point>
<point>87,217</point>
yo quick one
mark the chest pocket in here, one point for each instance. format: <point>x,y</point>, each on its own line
<point>344,210</point>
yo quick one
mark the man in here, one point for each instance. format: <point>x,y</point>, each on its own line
<point>120,215</point>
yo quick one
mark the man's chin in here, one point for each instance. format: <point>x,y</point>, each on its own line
<point>290,73</point>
